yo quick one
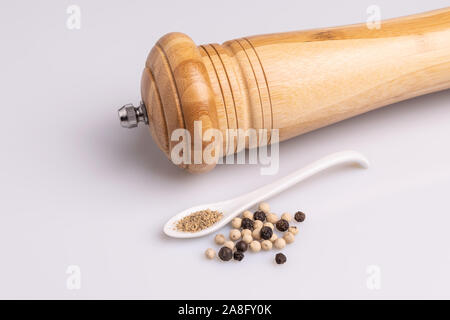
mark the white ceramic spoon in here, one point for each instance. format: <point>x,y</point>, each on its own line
<point>234,207</point>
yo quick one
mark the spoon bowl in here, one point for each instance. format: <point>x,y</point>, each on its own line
<point>223,206</point>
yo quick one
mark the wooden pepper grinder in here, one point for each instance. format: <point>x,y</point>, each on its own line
<point>295,81</point>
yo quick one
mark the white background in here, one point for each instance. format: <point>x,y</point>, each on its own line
<point>77,189</point>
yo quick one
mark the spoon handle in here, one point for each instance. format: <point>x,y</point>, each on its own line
<point>344,157</point>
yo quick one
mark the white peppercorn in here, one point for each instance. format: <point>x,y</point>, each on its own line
<point>288,237</point>
<point>247,214</point>
<point>256,234</point>
<point>286,216</point>
<point>264,206</point>
<point>268,224</point>
<point>210,253</point>
<point>245,232</point>
<point>280,243</point>
<point>236,222</point>
<point>219,239</point>
<point>293,230</point>
<point>258,224</point>
<point>229,244</point>
<point>255,246</point>
<point>235,234</point>
<point>274,237</point>
<point>266,245</point>
<point>247,238</point>
<point>272,218</point>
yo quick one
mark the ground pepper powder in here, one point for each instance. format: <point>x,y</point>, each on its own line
<point>198,220</point>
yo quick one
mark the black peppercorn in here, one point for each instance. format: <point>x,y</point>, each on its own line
<point>282,225</point>
<point>247,224</point>
<point>259,215</point>
<point>225,254</point>
<point>241,246</point>
<point>238,256</point>
<point>280,258</point>
<point>299,216</point>
<point>266,233</point>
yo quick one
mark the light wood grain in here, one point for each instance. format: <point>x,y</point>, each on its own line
<point>295,81</point>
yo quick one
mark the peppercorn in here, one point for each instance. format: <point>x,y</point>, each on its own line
<point>225,254</point>
<point>273,237</point>
<point>282,225</point>
<point>299,216</point>
<point>256,234</point>
<point>247,214</point>
<point>280,258</point>
<point>272,217</point>
<point>266,233</point>
<point>247,238</point>
<point>257,224</point>
<point>246,232</point>
<point>268,224</point>
<point>259,215</point>
<point>263,206</point>
<point>236,222</point>
<point>229,244</point>
<point>210,253</point>
<point>219,239</point>
<point>235,234</point>
<point>266,245</point>
<point>279,243</point>
<point>293,230</point>
<point>241,246</point>
<point>286,216</point>
<point>247,224</point>
<point>255,246</point>
<point>238,255</point>
<point>288,237</point>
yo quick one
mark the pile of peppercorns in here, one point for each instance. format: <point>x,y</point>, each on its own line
<point>255,231</point>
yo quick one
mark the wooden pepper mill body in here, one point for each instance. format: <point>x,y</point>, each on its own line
<point>294,82</point>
